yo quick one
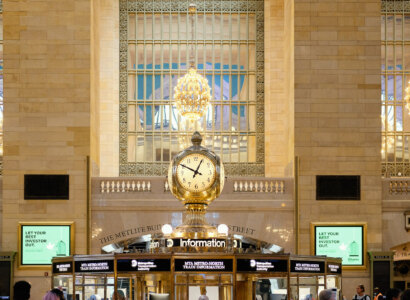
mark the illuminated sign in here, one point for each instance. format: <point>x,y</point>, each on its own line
<point>209,243</point>
<point>346,242</point>
<point>143,265</point>
<point>203,265</point>
<point>38,244</point>
<point>63,267</point>
<point>261,265</point>
<point>94,266</point>
<point>307,266</point>
<point>334,268</point>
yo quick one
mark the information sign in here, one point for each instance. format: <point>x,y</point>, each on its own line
<point>261,265</point>
<point>334,268</point>
<point>203,265</point>
<point>144,265</point>
<point>94,266</point>
<point>62,267</point>
<point>307,266</point>
<point>40,243</point>
<point>346,242</point>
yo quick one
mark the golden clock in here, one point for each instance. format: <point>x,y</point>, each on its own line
<point>196,174</point>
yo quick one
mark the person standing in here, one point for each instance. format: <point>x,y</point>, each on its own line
<point>203,294</point>
<point>360,295</point>
<point>21,290</point>
<point>393,294</point>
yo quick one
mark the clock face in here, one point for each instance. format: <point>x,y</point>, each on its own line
<point>196,172</point>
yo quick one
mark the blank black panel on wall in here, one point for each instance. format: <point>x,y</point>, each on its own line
<point>37,187</point>
<point>337,187</point>
<point>5,272</point>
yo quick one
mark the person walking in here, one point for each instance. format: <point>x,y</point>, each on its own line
<point>50,296</point>
<point>21,290</point>
<point>360,295</point>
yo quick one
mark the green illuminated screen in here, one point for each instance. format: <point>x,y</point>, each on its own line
<point>40,243</point>
<point>345,242</point>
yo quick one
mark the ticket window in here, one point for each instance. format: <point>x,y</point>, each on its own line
<point>193,286</point>
<point>261,287</point>
<point>306,287</point>
<point>101,285</point>
<point>64,282</point>
<point>150,286</point>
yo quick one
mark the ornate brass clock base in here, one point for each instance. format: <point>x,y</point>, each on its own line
<point>195,225</point>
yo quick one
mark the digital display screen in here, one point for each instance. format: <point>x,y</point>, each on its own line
<point>346,242</point>
<point>144,265</point>
<point>203,265</point>
<point>94,266</point>
<point>261,265</point>
<point>40,243</point>
<point>63,267</point>
<point>307,266</point>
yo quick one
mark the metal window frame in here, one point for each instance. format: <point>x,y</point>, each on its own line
<point>212,6</point>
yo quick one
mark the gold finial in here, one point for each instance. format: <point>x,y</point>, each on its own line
<point>196,139</point>
<point>192,8</point>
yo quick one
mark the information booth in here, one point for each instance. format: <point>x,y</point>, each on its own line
<point>187,276</point>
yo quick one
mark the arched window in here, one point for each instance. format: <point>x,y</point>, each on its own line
<point>154,53</point>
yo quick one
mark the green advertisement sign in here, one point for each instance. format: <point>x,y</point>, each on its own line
<point>40,243</point>
<point>345,242</point>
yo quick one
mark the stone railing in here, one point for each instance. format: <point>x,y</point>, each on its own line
<point>396,188</point>
<point>236,187</point>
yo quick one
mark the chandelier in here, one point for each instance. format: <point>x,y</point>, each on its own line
<point>192,93</point>
<point>407,97</point>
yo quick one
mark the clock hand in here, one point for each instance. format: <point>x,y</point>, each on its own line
<point>196,171</point>
<point>188,168</point>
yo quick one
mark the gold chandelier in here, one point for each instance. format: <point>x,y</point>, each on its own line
<point>407,97</point>
<point>192,93</point>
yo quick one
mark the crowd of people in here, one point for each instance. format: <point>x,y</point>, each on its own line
<point>22,292</point>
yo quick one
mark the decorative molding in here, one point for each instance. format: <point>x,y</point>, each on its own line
<point>212,6</point>
<point>395,6</point>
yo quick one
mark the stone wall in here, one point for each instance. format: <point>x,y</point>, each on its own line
<point>279,102</point>
<point>46,115</point>
<point>337,113</point>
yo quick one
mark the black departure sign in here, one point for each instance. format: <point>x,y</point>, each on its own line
<point>261,265</point>
<point>203,265</point>
<point>307,266</point>
<point>144,265</point>
<point>334,268</point>
<point>94,266</point>
<point>62,267</point>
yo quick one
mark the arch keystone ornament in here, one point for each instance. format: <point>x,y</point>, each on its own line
<point>196,177</point>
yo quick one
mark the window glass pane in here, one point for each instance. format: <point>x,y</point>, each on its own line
<point>407,27</point>
<point>389,27</point>
<point>399,118</point>
<point>399,57</point>
<point>398,27</point>
<point>383,88</point>
<point>383,24</point>
<point>399,88</point>
<point>131,57</point>
<point>131,27</point>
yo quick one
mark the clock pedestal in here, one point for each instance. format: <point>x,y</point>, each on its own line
<point>195,225</point>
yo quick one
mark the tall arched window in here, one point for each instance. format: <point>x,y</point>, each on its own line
<point>394,80</point>
<point>154,53</point>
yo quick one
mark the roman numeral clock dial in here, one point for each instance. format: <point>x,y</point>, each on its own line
<point>196,172</point>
